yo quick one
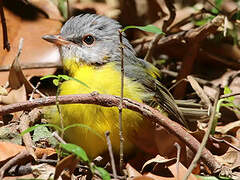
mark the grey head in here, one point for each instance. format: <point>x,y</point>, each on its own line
<point>90,39</point>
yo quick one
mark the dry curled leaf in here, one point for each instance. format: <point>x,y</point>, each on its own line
<point>14,96</point>
<point>48,7</point>
<point>35,50</point>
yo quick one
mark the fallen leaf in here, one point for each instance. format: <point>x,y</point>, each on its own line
<point>228,127</point>
<point>16,77</point>
<point>132,172</point>
<point>40,152</point>
<point>35,50</point>
<point>159,160</point>
<point>43,171</point>
<point>14,96</point>
<point>9,150</point>
<point>69,162</point>
<point>182,170</point>
<point>48,7</point>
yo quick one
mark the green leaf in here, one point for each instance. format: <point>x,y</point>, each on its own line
<point>103,173</point>
<point>218,4</point>
<point>227,90</point>
<point>204,21</point>
<point>56,82</point>
<point>228,104</point>
<point>84,126</point>
<point>48,76</point>
<point>147,28</point>
<point>39,125</point>
<point>77,150</point>
<point>65,77</point>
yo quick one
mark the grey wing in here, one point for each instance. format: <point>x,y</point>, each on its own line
<point>147,74</point>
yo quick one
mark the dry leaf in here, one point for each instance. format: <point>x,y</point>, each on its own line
<point>9,150</point>
<point>132,172</point>
<point>14,96</point>
<point>16,77</point>
<point>35,50</point>
<point>69,163</point>
<point>43,171</point>
<point>40,152</point>
<point>228,127</point>
<point>159,160</point>
<point>48,7</point>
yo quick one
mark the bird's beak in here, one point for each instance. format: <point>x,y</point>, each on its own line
<point>56,39</point>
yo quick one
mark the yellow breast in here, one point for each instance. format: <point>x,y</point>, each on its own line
<point>105,80</point>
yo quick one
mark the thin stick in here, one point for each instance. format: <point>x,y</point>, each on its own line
<point>198,89</point>
<point>121,104</point>
<point>109,144</point>
<point>59,109</point>
<point>58,138</point>
<point>33,66</point>
<point>204,141</point>
<point>34,90</point>
<point>178,158</point>
<point>229,95</point>
<point>152,46</point>
<point>6,44</point>
<point>226,142</point>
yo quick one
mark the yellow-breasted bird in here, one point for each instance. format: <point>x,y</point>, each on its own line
<point>90,50</point>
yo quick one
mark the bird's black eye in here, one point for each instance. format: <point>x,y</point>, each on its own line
<point>88,39</point>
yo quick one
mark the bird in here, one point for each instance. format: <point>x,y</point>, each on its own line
<point>89,47</point>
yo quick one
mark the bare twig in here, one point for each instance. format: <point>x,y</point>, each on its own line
<point>152,46</point>
<point>58,138</point>
<point>109,144</point>
<point>229,95</point>
<point>178,158</point>
<point>121,103</point>
<point>33,66</point>
<point>226,142</point>
<point>34,90</point>
<point>146,111</point>
<point>199,91</point>
<point>6,44</point>
<point>204,141</point>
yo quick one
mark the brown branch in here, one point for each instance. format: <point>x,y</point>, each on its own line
<point>6,44</point>
<point>147,112</point>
